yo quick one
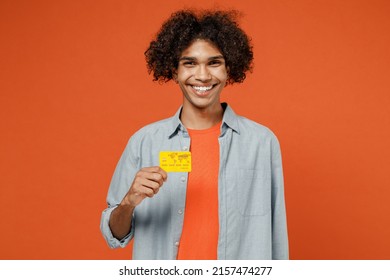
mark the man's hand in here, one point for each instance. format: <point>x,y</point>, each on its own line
<point>147,182</point>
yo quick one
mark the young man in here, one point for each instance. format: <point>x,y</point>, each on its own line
<point>231,204</point>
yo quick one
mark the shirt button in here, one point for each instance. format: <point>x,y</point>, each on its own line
<point>177,243</point>
<point>183,179</point>
<point>185,148</point>
<point>180,211</point>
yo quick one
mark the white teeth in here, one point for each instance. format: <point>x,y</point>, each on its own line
<point>202,89</point>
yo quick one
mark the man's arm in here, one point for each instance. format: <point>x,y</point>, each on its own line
<point>147,183</point>
<point>279,223</point>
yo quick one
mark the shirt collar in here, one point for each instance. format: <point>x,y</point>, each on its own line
<point>229,119</point>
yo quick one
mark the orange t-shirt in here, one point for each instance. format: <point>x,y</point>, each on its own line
<point>199,239</point>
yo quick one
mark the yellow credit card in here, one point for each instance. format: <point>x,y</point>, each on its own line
<point>175,161</point>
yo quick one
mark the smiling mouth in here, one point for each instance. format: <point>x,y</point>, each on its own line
<point>202,89</point>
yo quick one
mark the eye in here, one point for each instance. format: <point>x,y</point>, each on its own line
<point>215,62</point>
<point>188,63</point>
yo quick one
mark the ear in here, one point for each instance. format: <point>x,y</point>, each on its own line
<point>174,76</point>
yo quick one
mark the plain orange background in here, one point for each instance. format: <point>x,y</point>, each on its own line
<point>74,88</point>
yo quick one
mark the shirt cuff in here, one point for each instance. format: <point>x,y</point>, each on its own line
<point>107,234</point>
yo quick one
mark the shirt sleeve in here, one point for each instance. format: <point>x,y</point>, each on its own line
<point>106,231</point>
<point>279,222</point>
<point>119,186</point>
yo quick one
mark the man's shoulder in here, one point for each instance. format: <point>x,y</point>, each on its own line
<point>253,129</point>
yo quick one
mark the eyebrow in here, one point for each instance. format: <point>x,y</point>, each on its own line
<point>194,58</point>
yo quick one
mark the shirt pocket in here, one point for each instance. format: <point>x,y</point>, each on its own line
<point>253,192</point>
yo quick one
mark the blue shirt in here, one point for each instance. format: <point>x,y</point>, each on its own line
<point>252,216</point>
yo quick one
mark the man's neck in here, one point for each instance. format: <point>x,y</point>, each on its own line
<point>201,119</point>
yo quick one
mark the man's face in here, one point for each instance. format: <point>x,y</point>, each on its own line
<point>201,75</point>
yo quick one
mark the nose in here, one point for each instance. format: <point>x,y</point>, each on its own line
<point>202,73</point>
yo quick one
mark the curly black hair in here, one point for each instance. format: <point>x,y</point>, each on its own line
<point>183,27</point>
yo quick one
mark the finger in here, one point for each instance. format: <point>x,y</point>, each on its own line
<point>153,176</point>
<point>153,185</point>
<point>143,191</point>
<point>151,169</point>
<point>156,169</point>
<point>141,181</point>
<point>164,174</point>
<point>148,192</point>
